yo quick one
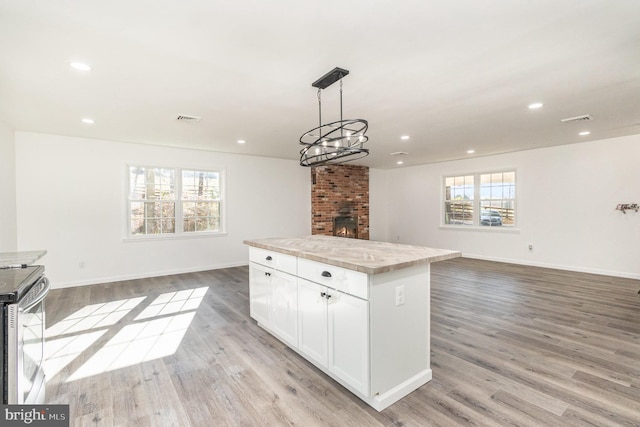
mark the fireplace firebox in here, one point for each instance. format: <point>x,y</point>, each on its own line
<point>345,226</point>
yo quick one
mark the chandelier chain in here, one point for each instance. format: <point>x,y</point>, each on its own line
<point>320,111</point>
<point>341,97</point>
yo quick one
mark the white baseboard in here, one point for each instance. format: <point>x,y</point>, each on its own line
<point>622,274</point>
<point>111,279</point>
<point>380,402</point>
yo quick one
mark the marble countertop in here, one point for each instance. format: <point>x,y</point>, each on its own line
<point>23,257</point>
<point>366,256</point>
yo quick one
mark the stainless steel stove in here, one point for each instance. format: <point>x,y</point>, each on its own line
<point>22,292</point>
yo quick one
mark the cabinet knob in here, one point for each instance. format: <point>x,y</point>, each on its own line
<point>328,296</point>
<point>326,274</point>
<point>269,258</point>
<point>323,294</point>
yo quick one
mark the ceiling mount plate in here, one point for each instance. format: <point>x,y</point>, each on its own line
<point>330,78</point>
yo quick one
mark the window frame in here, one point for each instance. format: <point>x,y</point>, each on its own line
<point>478,201</point>
<point>178,200</point>
<point>182,201</point>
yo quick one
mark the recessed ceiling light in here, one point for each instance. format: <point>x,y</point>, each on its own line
<point>241,141</point>
<point>80,66</point>
<point>471,151</point>
<point>535,105</point>
<point>584,133</point>
<point>88,121</point>
<point>404,137</point>
<point>399,162</point>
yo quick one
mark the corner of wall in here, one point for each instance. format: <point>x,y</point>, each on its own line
<point>379,205</point>
<point>8,216</point>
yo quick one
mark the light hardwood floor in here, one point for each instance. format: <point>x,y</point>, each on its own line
<point>511,345</point>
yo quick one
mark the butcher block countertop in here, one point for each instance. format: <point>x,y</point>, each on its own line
<point>366,256</point>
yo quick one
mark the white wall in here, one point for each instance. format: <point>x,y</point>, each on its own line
<point>378,212</point>
<point>71,201</point>
<point>566,199</point>
<point>8,234</point>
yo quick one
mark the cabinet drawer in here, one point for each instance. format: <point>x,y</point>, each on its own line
<point>342,279</point>
<point>273,259</point>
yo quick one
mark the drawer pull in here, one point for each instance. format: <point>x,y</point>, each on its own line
<point>269,258</point>
<point>326,274</point>
<point>267,274</point>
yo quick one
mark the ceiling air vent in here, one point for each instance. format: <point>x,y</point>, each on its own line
<point>584,118</point>
<point>188,119</point>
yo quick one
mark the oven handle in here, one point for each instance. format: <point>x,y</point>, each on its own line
<point>42,294</point>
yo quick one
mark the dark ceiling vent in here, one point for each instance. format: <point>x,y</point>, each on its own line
<point>584,118</point>
<point>190,119</point>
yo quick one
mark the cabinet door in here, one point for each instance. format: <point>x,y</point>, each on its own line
<point>284,307</point>
<point>260,293</point>
<point>312,321</point>
<point>349,339</point>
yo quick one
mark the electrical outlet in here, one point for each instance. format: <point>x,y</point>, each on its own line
<point>399,295</point>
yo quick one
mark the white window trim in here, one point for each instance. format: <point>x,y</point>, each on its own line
<point>179,234</point>
<point>476,203</point>
<point>486,229</point>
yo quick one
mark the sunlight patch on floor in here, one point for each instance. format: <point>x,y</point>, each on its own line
<point>137,343</point>
<point>67,339</point>
<point>62,351</point>
<point>93,316</point>
<point>154,333</point>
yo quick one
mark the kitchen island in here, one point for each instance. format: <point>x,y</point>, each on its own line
<point>357,309</point>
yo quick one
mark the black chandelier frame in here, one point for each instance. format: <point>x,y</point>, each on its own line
<point>336,142</point>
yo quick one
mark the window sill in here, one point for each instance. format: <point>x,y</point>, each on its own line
<point>481,229</point>
<point>156,238</point>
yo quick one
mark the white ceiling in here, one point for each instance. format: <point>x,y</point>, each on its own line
<point>454,75</point>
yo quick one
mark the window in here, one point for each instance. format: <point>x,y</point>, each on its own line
<point>481,199</point>
<point>152,200</point>
<point>172,201</point>
<point>458,203</point>
<point>200,201</point>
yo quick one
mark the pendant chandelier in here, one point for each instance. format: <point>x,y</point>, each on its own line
<point>336,142</point>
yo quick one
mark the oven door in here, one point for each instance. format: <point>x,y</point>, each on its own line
<point>25,346</point>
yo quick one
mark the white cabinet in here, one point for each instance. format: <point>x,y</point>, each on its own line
<point>351,325</point>
<point>260,292</point>
<point>284,307</point>
<point>273,297</point>
<point>312,322</point>
<point>342,279</point>
<point>333,332</point>
<point>276,260</point>
<point>348,338</point>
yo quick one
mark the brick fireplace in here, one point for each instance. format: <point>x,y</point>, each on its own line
<point>340,201</point>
